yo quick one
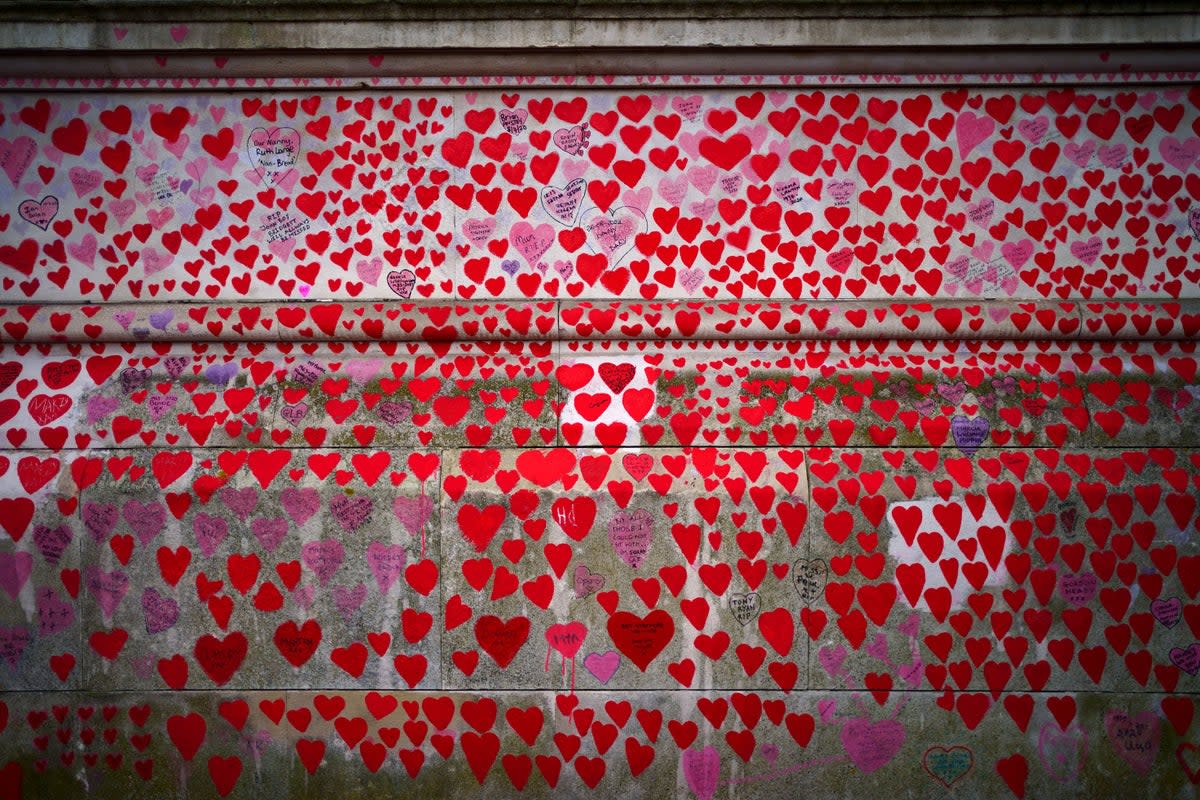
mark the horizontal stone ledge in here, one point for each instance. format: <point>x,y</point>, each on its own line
<point>416,745</point>
<point>383,65</point>
<point>70,694</point>
<point>941,394</point>
<point>551,320</point>
<point>593,70</point>
<point>178,31</point>
<point>374,10</point>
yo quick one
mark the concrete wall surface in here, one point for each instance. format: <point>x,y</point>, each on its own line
<point>595,417</point>
<point>232,25</point>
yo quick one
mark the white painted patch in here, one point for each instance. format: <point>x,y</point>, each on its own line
<point>966,547</point>
<point>616,411</point>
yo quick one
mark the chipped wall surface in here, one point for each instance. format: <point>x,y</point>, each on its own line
<point>686,436</point>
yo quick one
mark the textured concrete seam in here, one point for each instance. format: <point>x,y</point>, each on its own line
<point>740,320</point>
<point>1064,31</point>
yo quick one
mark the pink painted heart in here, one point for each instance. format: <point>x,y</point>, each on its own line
<point>402,282</point>
<point>241,502</point>
<point>84,250</point>
<point>1080,154</point>
<point>210,532</point>
<point>1078,589</point>
<point>478,231</point>
<point>690,279</point>
<point>159,405</point>
<point>394,412</point>
<point>109,588</point>
<point>673,190</point>
<point>840,192</point>
<point>1062,751</point>
<point>1016,253</point>
<point>613,233</point>
<point>832,659</point>
<point>351,512</point>
<point>1033,129</point>
<point>1180,154</point>
<point>981,213</point>
<point>413,512</point>
<point>1112,156</point>
<point>161,612</point>
<point>513,119</point>
<point>99,520</point>
<point>1168,612</point>
<point>39,212</point>
<point>294,413</point>
<point>52,542</point>
<point>532,243</point>
<point>603,666</point>
<point>630,535</point>
<point>269,531</point>
<point>16,156</point>
<point>572,141</point>
<point>273,152</point>
<point>688,107</point>
<point>971,131</point>
<point>369,271</point>
<point>1087,251</point>
<point>1186,658</point>
<point>84,181</point>
<point>348,599</point>
<point>15,569</point>
<point>872,745</point>
<point>323,557</point>
<point>587,582</point>
<point>300,504</point>
<point>1135,737</point>
<point>363,370</point>
<point>146,519</point>
<point>386,562</point>
<point>702,771</point>
<point>788,190</point>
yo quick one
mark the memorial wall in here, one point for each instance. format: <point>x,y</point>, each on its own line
<point>689,435</point>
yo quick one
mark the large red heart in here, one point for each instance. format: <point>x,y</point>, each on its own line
<point>221,658</point>
<point>479,525</point>
<point>641,639</point>
<point>297,643</point>
<point>500,639</point>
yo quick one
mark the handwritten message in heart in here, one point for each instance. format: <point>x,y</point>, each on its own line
<point>273,152</point>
